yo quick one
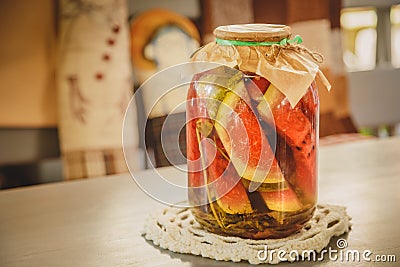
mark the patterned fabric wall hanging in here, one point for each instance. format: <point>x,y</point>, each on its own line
<point>94,87</point>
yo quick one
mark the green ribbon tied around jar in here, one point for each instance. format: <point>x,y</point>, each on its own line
<point>293,44</point>
<point>296,40</point>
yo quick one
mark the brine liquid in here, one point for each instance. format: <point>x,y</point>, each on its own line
<point>286,192</point>
<point>256,225</point>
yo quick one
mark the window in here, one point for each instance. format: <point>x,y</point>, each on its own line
<point>371,53</point>
<point>359,38</point>
<point>395,25</point>
<point>371,35</point>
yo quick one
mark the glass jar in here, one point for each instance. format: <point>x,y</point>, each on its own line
<point>251,147</point>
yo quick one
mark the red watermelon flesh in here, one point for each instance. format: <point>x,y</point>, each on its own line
<point>309,102</point>
<point>245,143</point>
<point>249,140</point>
<point>197,111</point>
<point>306,175</point>
<point>297,130</point>
<point>289,122</point>
<point>224,183</point>
<point>193,154</point>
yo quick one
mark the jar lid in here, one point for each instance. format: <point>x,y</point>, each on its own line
<point>253,32</point>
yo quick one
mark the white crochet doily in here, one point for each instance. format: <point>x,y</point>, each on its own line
<point>176,230</point>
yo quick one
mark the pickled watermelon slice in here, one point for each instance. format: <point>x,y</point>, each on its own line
<point>206,92</point>
<point>290,122</point>
<point>244,140</point>
<point>296,129</point>
<point>223,180</point>
<point>282,200</point>
<point>212,86</point>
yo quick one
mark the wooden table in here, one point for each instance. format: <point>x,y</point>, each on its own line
<point>98,222</point>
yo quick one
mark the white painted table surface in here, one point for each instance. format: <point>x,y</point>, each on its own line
<point>98,222</point>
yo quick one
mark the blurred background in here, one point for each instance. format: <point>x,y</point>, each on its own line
<point>68,69</point>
